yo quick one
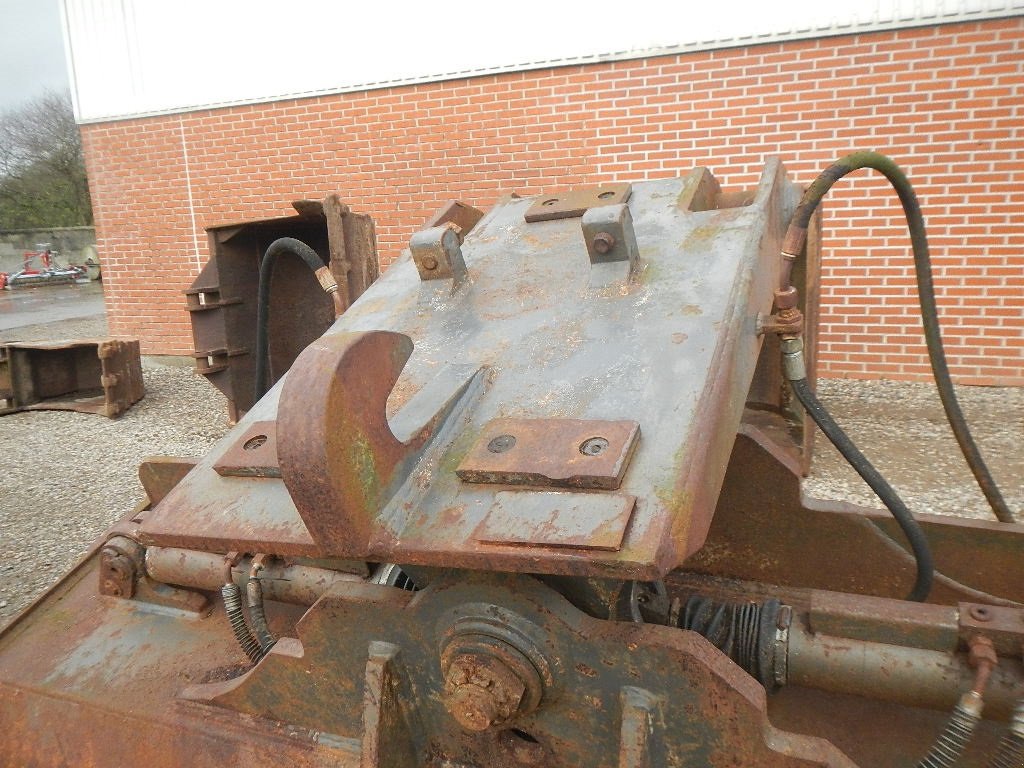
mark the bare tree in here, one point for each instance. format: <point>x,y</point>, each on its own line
<point>42,171</point>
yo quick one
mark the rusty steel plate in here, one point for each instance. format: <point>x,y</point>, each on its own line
<point>159,474</point>
<point>254,454</point>
<point>542,333</point>
<point>558,519</point>
<point>571,203</point>
<point>463,216</point>
<point>573,453</point>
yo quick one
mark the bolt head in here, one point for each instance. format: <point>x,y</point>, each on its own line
<point>473,707</point>
<point>429,262</point>
<point>604,242</point>
<point>501,443</point>
<point>481,690</point>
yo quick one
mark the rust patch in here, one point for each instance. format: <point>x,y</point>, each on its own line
<point>557,519</point>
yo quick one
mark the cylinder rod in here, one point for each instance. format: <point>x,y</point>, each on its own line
<point>296,584</point>
<point>911,676</point>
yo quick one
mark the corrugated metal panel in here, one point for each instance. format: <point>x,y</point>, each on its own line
<point>139,57</point>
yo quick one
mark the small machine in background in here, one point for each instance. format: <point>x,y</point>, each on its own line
<point>43,266</point>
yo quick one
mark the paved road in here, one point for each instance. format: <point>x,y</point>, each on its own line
<point>47,304</point>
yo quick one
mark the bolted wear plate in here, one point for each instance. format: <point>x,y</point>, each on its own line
<point>572,203</point>
<point>574,453</point>
<point>254,454</point>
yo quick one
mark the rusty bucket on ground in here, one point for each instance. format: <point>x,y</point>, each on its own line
<point>101,376</point>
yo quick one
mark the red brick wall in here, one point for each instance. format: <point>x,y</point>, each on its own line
<point>946,102</point>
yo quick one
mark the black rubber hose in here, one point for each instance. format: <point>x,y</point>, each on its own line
<point>793,245</point>
<point>233,607</point>
<point>257,616</point>
<point>950,744</point>
<point>878,484</point>
<point>280,246</point>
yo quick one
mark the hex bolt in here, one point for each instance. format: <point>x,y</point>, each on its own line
<point>429,262</point>
<point>481,690</point>
<point>593,446</point>
<point>117,573</point>
<point>604,242</point>
<point>474,707</point>
<point>501,443</point>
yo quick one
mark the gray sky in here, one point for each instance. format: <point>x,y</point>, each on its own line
<point>31,50</point>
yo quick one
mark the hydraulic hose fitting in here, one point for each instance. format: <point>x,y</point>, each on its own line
<point>787,320</point>
<point>330,286</point>
<point>793,366</point>
<point>972,703</point>
<point>326,280</point>
<point>793,243</point>
<point>982,657</point>
<point>789,256</point>
<point>231,559</point>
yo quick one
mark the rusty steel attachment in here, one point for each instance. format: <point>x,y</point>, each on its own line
<point>222,301</point>
<point>533,500</point>
<point>608,233</point>
<point>437,253</point>
<point>573,203</point>
<point>102,376</point>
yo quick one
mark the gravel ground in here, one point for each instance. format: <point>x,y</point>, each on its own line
<point>902,429</point>
<point>68,476</point>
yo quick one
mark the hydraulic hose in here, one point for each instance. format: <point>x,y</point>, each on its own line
<point>793,244</point>
<point>793,365</point>
<point>257,615</point>
<point>233,607</point>
<point>1010,753</point>
<point>950,744</point>
<point>281,246</point>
